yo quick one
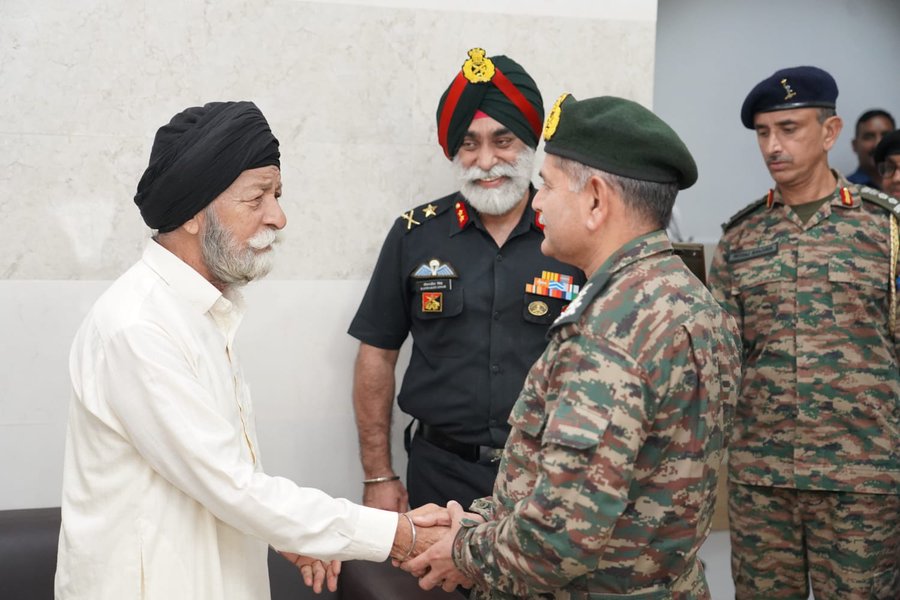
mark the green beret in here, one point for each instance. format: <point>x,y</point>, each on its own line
<point>620,137</point>
<point>499,87</point>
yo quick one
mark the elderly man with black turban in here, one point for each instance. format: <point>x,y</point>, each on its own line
<point>163,492</point>
<point>465,275</point>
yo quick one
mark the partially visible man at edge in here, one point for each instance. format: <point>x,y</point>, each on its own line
<point>887,160</point>
<point>164,495</point>
<point>809,273</point>
<point>607,484</point>
<point>871,126</point>
<point>465,275</point>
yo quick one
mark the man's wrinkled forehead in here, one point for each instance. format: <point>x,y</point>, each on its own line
<point>782,118</point>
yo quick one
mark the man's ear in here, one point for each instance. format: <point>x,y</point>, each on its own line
<point>598,202</point>
<point>833,126</point>
<point>193,225</point>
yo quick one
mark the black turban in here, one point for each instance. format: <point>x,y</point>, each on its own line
<point>197,156</point>
<point>499,87</point>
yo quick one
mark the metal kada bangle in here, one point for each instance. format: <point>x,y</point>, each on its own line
<point>382,479</point>
<point>412,544</point>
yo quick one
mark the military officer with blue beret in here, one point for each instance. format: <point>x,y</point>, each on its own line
<point>809,271</point>
<point>463,274</point>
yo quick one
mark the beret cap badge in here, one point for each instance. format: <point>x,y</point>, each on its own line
<point>787,88</point>
<point>478,68</point>
<point>553,118</point>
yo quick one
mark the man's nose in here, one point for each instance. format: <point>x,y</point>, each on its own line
<point>486,158</point>
<point>275,216</point>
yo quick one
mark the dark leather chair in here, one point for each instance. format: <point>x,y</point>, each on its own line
<point>28,544</point>
<point>28,540</point>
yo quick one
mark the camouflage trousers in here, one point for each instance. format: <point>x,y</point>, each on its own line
<point>847,545</point>
<point>690,585</point>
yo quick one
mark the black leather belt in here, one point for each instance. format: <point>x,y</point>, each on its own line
<point>469,452</point>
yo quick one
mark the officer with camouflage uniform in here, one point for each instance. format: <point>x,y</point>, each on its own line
<point>810,274</point>
<point>607,482</point>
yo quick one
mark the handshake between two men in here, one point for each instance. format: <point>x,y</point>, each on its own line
<point>423,546</point>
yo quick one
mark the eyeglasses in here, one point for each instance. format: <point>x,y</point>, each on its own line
<point>887,168</point>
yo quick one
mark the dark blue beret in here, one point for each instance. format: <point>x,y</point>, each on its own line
<point>796,87</point>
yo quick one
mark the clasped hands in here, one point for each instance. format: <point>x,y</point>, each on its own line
<point>431,559</point>
<point>427,554</point>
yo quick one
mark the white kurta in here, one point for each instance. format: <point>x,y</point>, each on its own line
<point>164,496</point>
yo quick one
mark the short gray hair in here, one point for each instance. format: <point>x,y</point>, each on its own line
<point>649,200</point>
<point>825,114</point>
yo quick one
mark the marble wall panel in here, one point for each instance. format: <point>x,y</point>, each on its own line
<point>350,89</point>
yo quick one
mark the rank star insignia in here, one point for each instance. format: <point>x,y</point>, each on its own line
<point>409,220</point>
<point>430,210</point>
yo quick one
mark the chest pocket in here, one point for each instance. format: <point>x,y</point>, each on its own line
<point>437,298</point>
<point>542,310</point>
<point>760,287</point>
<point>859,291</point>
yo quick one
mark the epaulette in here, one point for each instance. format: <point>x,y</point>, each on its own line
<point>744,212</point>
<point>885,201</point>
<point>426,212</point>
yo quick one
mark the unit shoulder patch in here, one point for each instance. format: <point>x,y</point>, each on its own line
<point>744,213</point>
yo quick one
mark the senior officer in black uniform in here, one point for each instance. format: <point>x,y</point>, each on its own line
<point>465,275</point>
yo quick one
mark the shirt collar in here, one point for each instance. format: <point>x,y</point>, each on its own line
<point>838,198</point>
<point>640,248</point>
<point>527,221</point>
<point>182,278</point>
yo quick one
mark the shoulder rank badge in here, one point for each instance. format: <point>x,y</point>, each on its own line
<point>552,285</point>
<point>410,221</point>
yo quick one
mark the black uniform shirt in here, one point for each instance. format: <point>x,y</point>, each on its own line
<point>476,331</point>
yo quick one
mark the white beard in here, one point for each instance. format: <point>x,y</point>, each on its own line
<point>227,261</point>
<point>501,200</point>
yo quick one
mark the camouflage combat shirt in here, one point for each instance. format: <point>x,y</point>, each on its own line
<point>607,482</point>
<point>819,407</point>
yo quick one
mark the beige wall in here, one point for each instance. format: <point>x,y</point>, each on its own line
<point>349,88</point>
